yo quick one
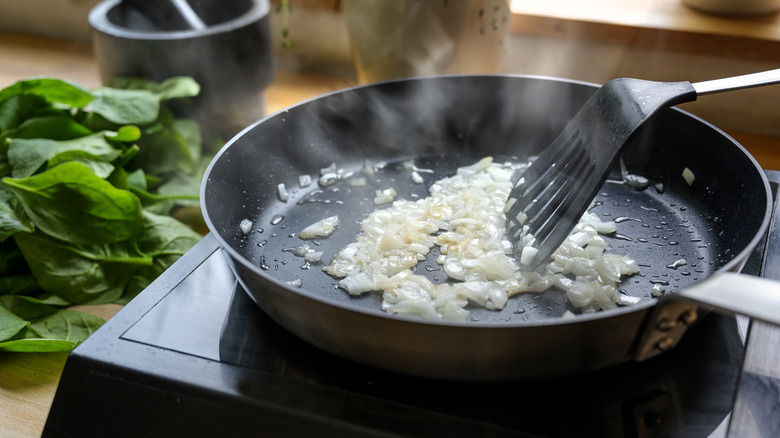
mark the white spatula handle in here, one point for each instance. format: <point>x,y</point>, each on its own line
<point>768,77</point>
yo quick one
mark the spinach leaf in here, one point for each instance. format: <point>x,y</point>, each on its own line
<point>18,285</point>
<point>37,345</point>
<point>137,179</point>
<point>149,199</point>
<point>12,221</point>
<point>54,127</point>
<point>95,144</point>
<point>127,133</point>
<point>126,107</point>
<point>97,165</point>
<point>25,307</point>
<point>72,204</point>
<point>176,87</point>
<point>164,150</point>
<point>46,328</point>
<point>18,108</point>
<point>166,240</point>
<point>95,274</point>
<point>67,325</point>
<point>10,324</point>
<point>51,89</point>
<point>28,155</point>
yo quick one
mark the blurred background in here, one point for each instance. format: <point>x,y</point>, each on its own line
<point>591,41</point>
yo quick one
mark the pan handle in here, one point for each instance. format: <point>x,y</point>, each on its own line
<point>755,397</point>
<point>727,292</point>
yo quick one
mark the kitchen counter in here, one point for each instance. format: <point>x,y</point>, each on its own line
<point>28,381</point>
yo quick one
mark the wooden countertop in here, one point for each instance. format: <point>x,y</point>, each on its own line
<point>28,381</point>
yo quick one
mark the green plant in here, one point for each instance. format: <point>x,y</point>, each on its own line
<point>285,8</point>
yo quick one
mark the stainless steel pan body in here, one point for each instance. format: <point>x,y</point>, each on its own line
<point>442,123</point>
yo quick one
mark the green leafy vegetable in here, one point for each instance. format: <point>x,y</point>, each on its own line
<point>10,324</point>
<point>88,180</point>
<point>71,203</point>
<point>52,90</point>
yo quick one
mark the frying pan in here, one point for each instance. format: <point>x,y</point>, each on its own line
<point>442,123</point>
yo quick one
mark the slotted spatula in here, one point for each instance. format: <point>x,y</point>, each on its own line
<point>551,195</point>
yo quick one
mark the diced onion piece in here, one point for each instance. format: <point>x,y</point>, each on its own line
<point>358,181</point>
<point>323,228</point>
<point>328,179</point>
<point>282,190</point>
<point>304,180</point>
<point>246,226</point>
<point>689,176</point>
<point>385,196</point>
<point>417,178</point>
<point>368,169</point>
<point>313,256</point>
<point>527,255</point>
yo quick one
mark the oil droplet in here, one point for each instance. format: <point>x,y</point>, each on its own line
<point>263,265</point>
<point>262,243</point>
<point>625,218</point>
<point>276,219</point>
<point>260,230</point>
<point>622,237</point>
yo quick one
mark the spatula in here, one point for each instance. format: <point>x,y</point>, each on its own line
<point>550,197</point>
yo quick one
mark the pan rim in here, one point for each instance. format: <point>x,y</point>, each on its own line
<point>735,264</point>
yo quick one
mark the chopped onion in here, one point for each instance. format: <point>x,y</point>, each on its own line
<point>304,181</point>
<point>634,181</point>
<point>385,196</point>
<point>323,228</point>
<point>464,216</point>
<point>368,169</point>
<point>282,190</point>
<point>689,176</point>
<point>246,226</point>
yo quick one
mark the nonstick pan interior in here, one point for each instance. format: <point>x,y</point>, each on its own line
<point>708,224</point>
